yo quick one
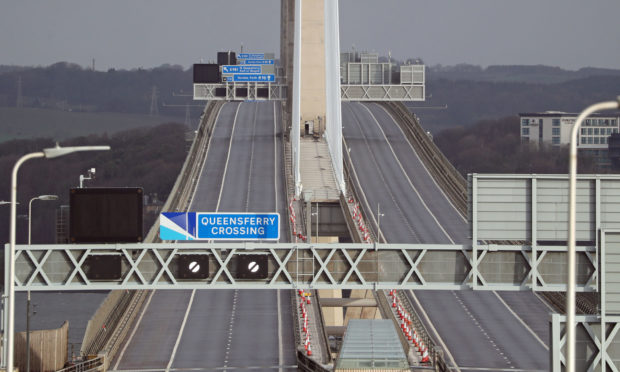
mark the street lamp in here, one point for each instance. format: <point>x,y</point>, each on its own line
<point>40,197</point>
<point>572,201</point>
<point>49,153</point>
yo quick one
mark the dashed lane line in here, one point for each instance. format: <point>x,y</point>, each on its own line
<point>484,332</point>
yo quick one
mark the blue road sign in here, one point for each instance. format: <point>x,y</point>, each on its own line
<point>219,226</point>
<point>241,69</point>
<point>251,56</point>
<point>259,61</point>
<point>253,77</point>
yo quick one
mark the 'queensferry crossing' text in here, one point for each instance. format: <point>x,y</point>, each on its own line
<point>238,226</point>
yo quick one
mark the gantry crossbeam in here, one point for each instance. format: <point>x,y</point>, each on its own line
<point>363,266</point>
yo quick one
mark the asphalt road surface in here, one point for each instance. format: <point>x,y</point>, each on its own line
<point>231,330</point>
<point>481,330</point>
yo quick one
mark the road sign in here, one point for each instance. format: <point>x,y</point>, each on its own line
<point>257,62</point>
<point>251,56</point>
<point>251,77</point>
<point>219,226</point>
<point>242,69</point>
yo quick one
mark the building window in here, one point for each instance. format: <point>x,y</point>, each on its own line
<point>525,131</point>
<point>596,131</point>
<point>583,131</point>
<point>603,140</point>
<point>589,140</point>
<point>606,122</point>
<point>555,131</point>
<point>596,140</point>
<point>590,131</point>
<point>555,122</point>
<point>613,122</point>
<point>525,122</point>
<point>583,140</point>
<point>608,131</point>
<point>614,130</point>
<point>587,122</point>
<point>555,140</point>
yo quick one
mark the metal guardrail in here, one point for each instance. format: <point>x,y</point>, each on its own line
<point>444,173</point>
<point>109,337</point>
<point>188,176</point>
<point>112,320</point>
<point>307,364</point>
<point>85,366</point>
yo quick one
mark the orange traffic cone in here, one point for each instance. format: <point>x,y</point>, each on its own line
<point>425,356</point>
<point>309,350</point>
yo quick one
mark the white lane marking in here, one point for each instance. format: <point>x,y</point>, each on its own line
<point>176,344</point>
<point>426,169</point>
<point>521,321</point>
<point>230,328</point>
<point>205,159</point>
<point>232,135</point>
<point>428,321</point>
<point>275,158</point>
<point>280,349</point>
<point>407,176</point>
<point>381,175</point>
<point>250,166</point>
<point>135,328</point>
<point>498,349</point>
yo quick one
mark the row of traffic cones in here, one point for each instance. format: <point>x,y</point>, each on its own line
<point>359,220</point>
<point>408,328</point>
<point>305,299</point>
<point>293,218</point>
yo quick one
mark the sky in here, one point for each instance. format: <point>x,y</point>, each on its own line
<point>147,33</point>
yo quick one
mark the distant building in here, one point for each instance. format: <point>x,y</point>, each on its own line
<point>554,128</point>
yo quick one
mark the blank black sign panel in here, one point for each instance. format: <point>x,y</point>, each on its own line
<point>106,215</point>
<point>252,266</point>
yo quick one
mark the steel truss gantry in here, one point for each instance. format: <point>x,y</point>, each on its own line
<point>382,92</point>
<point>250,91</point>
<point>320,266</point>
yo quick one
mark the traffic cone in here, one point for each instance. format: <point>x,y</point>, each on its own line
<point>393,301</point>
<point>309,350</point>
<point>425,356</point>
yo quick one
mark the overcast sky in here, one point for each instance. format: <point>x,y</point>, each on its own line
<point>147,33</point>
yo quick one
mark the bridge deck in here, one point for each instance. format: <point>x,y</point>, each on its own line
<point>478,329</point>
<point>232,329</point>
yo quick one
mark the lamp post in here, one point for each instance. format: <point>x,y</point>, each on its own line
<point>572,201</point>
<point>49,153</point>
<point>4,202</point>
<point>40,197</point>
